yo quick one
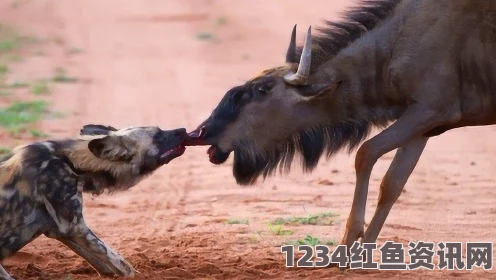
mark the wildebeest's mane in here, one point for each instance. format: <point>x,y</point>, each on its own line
<point>249,164</point>
<point>339,34</point>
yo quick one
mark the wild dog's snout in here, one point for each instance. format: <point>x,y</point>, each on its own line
<point>171,144</point>
<point>175,136</point>
<point>180,133</point>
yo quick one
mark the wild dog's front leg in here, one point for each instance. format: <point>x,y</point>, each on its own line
<point>103,258</point>
<point>410,125</point>
<point>4,275</point>
<point>70,228</point>
<point>392,184</point>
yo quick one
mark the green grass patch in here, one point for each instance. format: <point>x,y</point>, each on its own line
<point>58,115</point>
<point>4,69</point>
<point>7,45</point>
<point>74,50</point>
<point>222,20</point>
<point>237,222</point>
<point>325,218</point>
<point>279,230</point>
<point>311,241</point>
<point>15,116</point>
<point>61,76</point>
<point>40,87</point>
<point>11,40</point>
<point>253,239</point>
<point>4,151</point>
<point>14,58</point>
<point>37,134</point>
<point>204,36</point>
<point>18,84</point>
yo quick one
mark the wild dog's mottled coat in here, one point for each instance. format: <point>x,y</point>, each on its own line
<point>41,187</point>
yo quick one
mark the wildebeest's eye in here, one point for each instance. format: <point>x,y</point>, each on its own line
<point>261,89</point>
<point>265,87</point>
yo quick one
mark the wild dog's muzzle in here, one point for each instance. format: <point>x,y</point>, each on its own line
<point>171,144</point>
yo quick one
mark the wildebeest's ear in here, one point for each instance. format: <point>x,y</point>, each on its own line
<point>316,89</point>
<point>110,148</point>
<point>96,129</point>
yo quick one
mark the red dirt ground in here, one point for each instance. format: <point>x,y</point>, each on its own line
<point>147,63</point>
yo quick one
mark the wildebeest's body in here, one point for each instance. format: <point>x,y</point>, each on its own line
<point>425,46</point>
<point>427,65</point>
<point>41,187</point>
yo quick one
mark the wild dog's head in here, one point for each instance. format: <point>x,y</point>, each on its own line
<point>145,148</point>
<point>117,159</point>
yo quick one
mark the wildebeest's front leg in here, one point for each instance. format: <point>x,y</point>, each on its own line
<point>412,124</point>
<point>4,275</point>
<point>392,184</point>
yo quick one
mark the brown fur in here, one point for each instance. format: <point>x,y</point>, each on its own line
<point>426,65</point>
<point>275,71</point>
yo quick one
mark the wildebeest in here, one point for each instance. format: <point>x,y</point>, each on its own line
<point>426,66</point>
<point>41,186</point>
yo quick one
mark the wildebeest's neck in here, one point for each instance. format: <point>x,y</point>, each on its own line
<point>337,121</point>
<point>368,92</point>
<point>356,22</point>
<point>356,50</point>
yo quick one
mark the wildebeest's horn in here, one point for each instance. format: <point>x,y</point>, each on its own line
<point>291,54</point>
<point>301,76</point>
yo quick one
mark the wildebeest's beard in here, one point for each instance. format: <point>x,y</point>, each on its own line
<point>251,162</point>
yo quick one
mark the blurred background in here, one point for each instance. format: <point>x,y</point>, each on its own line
<point>64,64</point>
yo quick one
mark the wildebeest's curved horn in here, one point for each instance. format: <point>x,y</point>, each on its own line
<point>291,54</point>
<point>301,76</point>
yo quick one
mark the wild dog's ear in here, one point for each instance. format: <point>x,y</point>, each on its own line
<point>110,148</point>
<point>314,90</point>
<point>96,129</point>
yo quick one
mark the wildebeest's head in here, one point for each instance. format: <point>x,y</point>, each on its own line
<point>140,149</point>
<point>278,113</point>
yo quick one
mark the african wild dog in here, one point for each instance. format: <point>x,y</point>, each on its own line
<point>41,187</point>
<point>427,65</point>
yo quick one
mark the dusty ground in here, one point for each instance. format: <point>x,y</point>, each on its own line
<point>167,63</point>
